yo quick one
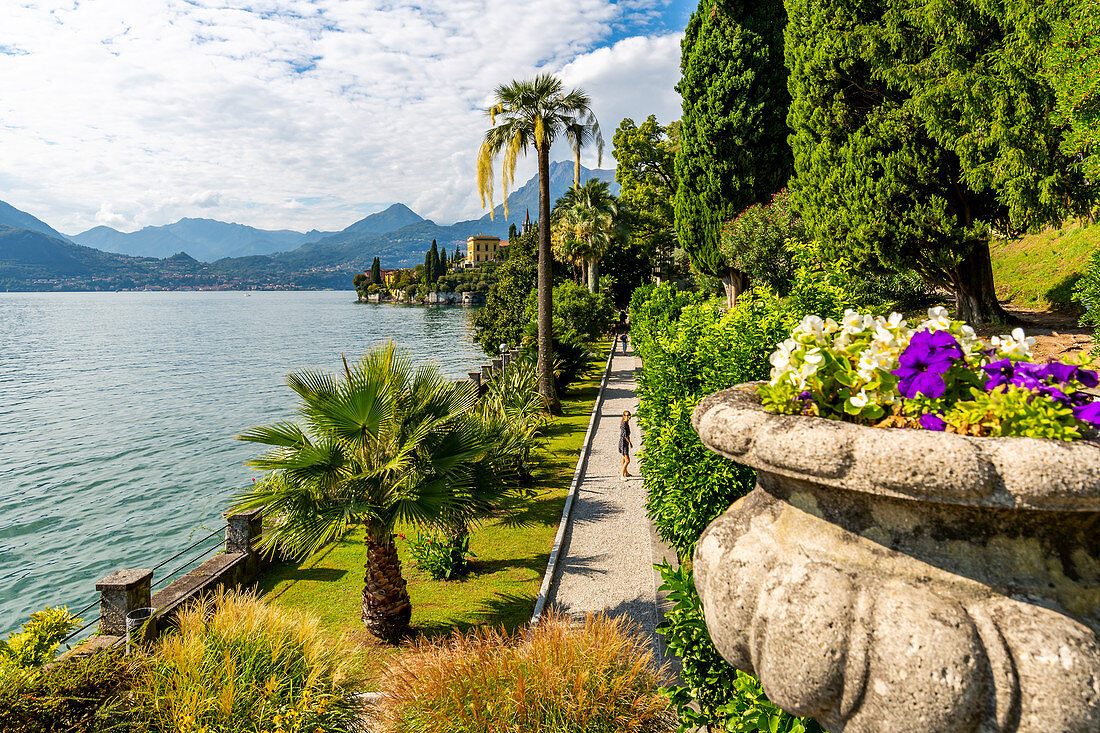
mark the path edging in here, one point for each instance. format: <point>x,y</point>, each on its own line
<point>566,512</point>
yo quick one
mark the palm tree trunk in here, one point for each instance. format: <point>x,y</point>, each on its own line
<point>386,607</point>
<point>594,275</point>
<point>545,285</point>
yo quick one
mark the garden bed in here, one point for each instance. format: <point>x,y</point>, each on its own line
<point>505,571</point>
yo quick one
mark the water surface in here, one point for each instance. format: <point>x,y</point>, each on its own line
<point>118,411</point>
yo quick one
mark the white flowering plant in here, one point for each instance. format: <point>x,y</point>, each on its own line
<point>936,375</point>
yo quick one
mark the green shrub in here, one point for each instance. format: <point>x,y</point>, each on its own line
<point>555,678</point>
<point>36,642</point>
<point>437,555</point>
<point>65,696</point>
<point>1087,293</point>
<point>755,242</point>
<point>727,699</point>
<point>238,664</point>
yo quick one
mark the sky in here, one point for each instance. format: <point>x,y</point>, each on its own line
<point>296,114</point>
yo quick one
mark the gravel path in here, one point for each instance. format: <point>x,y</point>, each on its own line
<point>609,550</point>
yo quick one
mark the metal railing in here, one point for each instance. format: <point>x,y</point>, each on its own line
<point>72,637</point>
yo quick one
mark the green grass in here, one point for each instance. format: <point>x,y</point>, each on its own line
<point>506,570</point>
<point>1039,270</point>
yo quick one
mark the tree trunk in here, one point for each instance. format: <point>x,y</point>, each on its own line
<point>594,275</point>
<point>545,286</point>
<point>735,282</point>
<point>975,296</point>
<point>386,607</point>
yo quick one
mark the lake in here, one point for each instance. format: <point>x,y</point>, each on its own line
<point>118,411</point>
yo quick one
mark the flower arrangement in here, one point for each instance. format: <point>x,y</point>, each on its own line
<point>937,375</point>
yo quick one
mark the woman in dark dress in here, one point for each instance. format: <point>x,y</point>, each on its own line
<point>624,442</point>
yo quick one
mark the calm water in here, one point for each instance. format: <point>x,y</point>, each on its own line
<point>118,411</point>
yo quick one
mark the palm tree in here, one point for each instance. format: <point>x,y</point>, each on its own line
<point>536,113</point>
<point>588,217</point>
<point>383,443</point>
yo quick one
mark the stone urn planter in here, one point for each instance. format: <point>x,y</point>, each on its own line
<point>906,580</point>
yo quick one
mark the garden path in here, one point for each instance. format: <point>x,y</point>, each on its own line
<point>609,549</point>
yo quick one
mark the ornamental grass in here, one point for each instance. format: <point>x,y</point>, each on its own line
<point>561,676</point>
<point>237,664</point>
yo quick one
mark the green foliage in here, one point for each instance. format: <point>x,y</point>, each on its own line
<point>755,242</point>
<point>36,642</point>
<point>585,223</point>
<point>1072,62</point>
<point>503,319</point>
<point>437,555</point>
<point>1087,294</point>
<point>733,137</point>
<point>911,143</point>
<point>1015,412</point>
<point>645,158</point>
<point>64,696</point>
<point>578,311</point>
<point>376,272</point>
<point>238,664</point>
<point>727,699</point>
<point>360,282</point>
<point>556,677</point>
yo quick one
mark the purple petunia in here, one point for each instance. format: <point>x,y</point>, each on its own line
<point>932,421</point>
<point>1000,372</point>
<point>1089,413</point>
<point>921,366</point>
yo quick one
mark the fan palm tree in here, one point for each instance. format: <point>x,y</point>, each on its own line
<point>587,216</point>
<point>535,113</point>
<point>383,443</point>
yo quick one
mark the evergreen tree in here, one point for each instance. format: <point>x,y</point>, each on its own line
<point>733,137</point>
<point>913,143</point>
<point>1073,67</point>
<point>443,261</point>
<point>426,272</point>
<point>376,272</point>
<point>436,268</point>
<point>512,231</point>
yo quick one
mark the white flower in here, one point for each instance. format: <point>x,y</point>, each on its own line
<point>781,357</point>
<point>853,323</point>
<point>812,326</point>
<point>859,400</point>
<point>871,361</point>
<point>1015,345</point>
<point>938,320</point>
<point>813,358</point>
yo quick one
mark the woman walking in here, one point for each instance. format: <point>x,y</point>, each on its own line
<point>624,443</point>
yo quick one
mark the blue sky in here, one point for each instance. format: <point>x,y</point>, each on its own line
<point>295,113</point>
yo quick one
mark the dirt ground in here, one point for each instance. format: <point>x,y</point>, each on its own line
<point>1057,335</point>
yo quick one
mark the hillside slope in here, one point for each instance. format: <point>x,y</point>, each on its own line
<point>16,219</point>
<point>1039,270</point>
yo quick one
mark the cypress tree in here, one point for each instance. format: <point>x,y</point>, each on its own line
<point>917,133</point>
<point>376,272</point>
<point>436,269</point>
<point>512,231</point>
<point>427,271</point>
<point>733,135</point>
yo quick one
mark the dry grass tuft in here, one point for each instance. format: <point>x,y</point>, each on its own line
<point>595,677</point>
<point>239,664</point>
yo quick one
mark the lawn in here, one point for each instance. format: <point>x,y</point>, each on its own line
<point>1039,270</point>
<point>508,558</point>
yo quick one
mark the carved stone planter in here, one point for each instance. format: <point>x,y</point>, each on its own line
<point>906,580</point>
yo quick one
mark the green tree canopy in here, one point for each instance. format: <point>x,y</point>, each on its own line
<point>503,319</point>
<point>585,222</point>
<point>1073,67</point>
<point>645,158</point>
<point>921,127</point>
<point>376,272</point>
<point>733,137</point>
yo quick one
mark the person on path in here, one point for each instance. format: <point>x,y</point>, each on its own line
<point>624,443</point>
<point>623,339</point>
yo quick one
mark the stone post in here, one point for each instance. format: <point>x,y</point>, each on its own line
<point>475,379</point>
<point>486,373</point>
<point>241,528</point>
<point>514,353</point>
<point>120,593</point>
<point>498,363</point>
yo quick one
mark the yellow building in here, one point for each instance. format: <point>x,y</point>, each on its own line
<point>481,249</point>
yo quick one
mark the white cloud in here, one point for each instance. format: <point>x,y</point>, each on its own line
<point>291,113</point>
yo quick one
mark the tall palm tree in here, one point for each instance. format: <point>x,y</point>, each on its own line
<point>382,443</point>
<point>535,113</point>
<point>587,216</point>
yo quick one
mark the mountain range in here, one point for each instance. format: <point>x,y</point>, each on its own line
<point>205,253</point>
